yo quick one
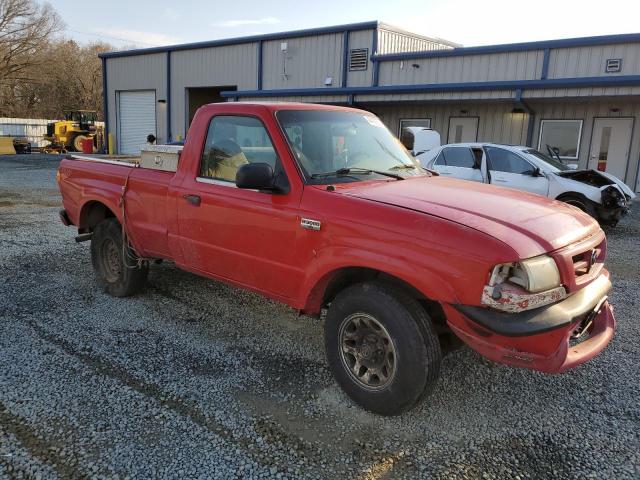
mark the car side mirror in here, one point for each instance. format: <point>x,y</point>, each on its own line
<point>255,176</point>
<point>535,172</point>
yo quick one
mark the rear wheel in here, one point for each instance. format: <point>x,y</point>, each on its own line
<point>115,270</point>
<point>381,347</point>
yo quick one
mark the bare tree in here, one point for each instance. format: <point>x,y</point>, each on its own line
<point>25,30</point>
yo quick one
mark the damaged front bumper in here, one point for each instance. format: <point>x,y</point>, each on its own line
<point>614,206</point>
<point>551,339</point>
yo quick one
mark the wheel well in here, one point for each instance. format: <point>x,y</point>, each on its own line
<point>569,195</point>
<point>93,213</point>
<point>352,275</point>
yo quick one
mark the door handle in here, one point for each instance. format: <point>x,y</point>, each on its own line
<point>499,180</point>
<point>192,199</point>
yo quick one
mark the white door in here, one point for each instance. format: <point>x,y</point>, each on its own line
<point>462,129</point>
<point>610,144</point>
<point>136,119</point>
<point>508,169</point>
<point>458,162</point>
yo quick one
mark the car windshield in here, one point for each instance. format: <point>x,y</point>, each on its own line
<point>342,146</point>
<point>554,164</point>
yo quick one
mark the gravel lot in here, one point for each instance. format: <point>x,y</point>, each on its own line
<point>194,378</point>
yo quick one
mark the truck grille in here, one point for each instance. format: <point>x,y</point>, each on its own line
<point>580,263</point>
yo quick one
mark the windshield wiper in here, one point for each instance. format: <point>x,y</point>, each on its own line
<point>403,166</point>
<point>356,170</point>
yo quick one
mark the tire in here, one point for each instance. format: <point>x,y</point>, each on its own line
<point>580,202</point>
<point>399,370</point>
<point>116,276</point>
<point>76,142</point>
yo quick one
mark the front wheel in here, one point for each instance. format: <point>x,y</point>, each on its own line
<point>115,270</point>
<point>580,202</point>
<point>381,347</point>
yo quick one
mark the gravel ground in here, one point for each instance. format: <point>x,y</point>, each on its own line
<point>194,378</point>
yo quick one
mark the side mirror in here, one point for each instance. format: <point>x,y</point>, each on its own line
<point>255,176</point>
<point>535,172</point>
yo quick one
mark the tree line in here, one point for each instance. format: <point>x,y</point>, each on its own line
<point>43,74</point>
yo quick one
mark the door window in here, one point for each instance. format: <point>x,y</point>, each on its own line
<point>233,141</point>
<point>457,157</point>
<point>505,161</point>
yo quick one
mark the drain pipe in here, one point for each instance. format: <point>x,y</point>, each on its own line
<point>521,104</point>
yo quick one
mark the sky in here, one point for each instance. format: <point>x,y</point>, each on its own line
<point>144,23</point>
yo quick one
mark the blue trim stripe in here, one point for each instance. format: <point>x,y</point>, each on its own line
<point>352,27</point>
<point>618,81</point>
<point>376,65</point>
<point>105,99</point>
<point>512,47</point>
<point>545,64</point>
<point>259,79</point>
<point>345,57</point>
<point>168,97</point>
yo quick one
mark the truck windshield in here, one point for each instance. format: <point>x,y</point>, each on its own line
<point>342,146</point>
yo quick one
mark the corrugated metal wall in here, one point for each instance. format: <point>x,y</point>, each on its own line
<point>496,123</point>
<point>587,111</point>
<point>390,41</point>
<point>591,61</point>
<point>361,39</point>
<point>234,65</point>
<point>142,72</point>
<point>307,62</point>
<point>470,68</point>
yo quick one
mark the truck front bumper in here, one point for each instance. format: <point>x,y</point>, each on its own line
<point>551,339</point>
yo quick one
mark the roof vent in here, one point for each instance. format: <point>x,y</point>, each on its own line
<point>358,59</point>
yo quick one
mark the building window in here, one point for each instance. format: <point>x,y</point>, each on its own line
<point>563,135</point>
<point>406,136</point>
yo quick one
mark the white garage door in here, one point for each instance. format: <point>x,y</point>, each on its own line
<point>136,119</point>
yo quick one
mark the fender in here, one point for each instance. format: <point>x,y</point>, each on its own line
<point>331,260</point>
<point>94,197</point>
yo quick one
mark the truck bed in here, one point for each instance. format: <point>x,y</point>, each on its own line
<point>123,185</point>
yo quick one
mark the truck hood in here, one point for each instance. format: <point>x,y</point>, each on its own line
<point>530,224</point>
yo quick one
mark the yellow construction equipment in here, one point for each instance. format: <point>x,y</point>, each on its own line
<point>68,135</point>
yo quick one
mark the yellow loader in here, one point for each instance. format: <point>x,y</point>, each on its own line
<point>67,135</point>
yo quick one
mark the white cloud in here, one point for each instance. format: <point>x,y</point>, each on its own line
<point>248,21</point>
<point>138,37</point>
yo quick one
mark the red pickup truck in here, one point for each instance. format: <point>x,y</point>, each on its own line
<point>321,208</point>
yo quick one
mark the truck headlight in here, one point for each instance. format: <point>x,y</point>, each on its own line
<point>536,274</point>
<point>524,285</point>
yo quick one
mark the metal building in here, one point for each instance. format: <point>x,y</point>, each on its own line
<point>580,94</point>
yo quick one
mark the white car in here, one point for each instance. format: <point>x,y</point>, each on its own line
<point>600,194</point>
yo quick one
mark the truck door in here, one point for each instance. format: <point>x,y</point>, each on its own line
<point>246,236</point>
<point>508,169</point>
